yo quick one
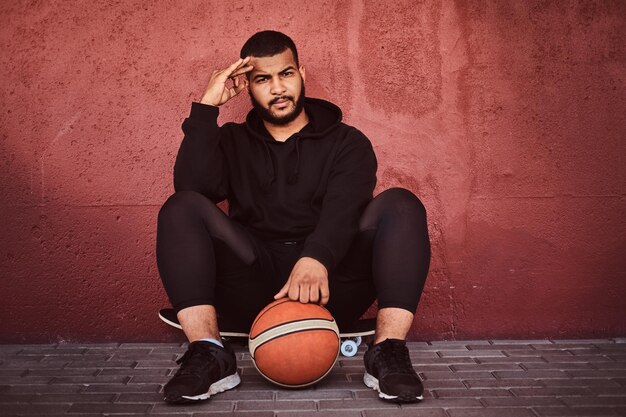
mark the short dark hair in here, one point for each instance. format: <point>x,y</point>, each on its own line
<point>268,43</point>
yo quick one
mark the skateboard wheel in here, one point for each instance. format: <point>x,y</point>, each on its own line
<point>358,340</point>
<point>348,348</point>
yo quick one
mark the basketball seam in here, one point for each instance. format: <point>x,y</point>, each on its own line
<point>255,343</point>
<point>288,322</point>
<point>284,300</point>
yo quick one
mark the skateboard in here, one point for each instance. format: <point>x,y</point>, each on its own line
<point>351,338</point>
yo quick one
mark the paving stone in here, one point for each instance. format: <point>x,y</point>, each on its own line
<point>464,367</point>
<point>359,404</point>
<point>133,372</point>
<point>531,374</point>
<point>446,403</point>
<point>579,382</point>
<point>498,347</point>
<point>424,356</point>
<point>31,409</point>
<point>342,413</point>
<point>183,411</point>
<point>140,397</point>
<point>239,395</point>
<point>498,412</point>
<point>143,354</point>
<point>575,412</point>
<point>123,388</point>
<point>56,398</point>
<point>10,350</point>
<point>441,361</point>
<point>457,375</point>
<point>595,401</point>
<point>102,379</point>
<point>581,341</point>
<point>471,353</point>
<point>472,393</point>
<point>367,393</point>
<point>62,372</point>
<point>610,391</point>
<point>233,414</point>
<point>530,352</point>
<point>521,401</point>
<point>25,364</point>
<point>609,365</point>
<point>13,372</point>
<point>502,383</point>
<point>518,360</point>
<point>312,394</point>
<point>116,408</point>
<point>444,384</point>
<point>156,364</point>
<point>404,412</point>
<point>550,391</point>
<point>275,405</point>
<point>101,364</point>
<point>56,350</point>
<point>146,379</point>
<point>39,388</point>
<point>557,365</point>
<point>210,406</point>
<point>26,380</point>
<point>146,345</point>
<point>524,342</point>
<point>620,381</point>
<point>590,359</point>
<point>603,373</point>
<point>449,344</point>
<point>110,345</point>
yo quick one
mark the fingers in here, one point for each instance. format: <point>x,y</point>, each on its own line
<point>283,291</point>
<point>325,292</point>
<point>237,64</point>
<point>241,71</point>
<point>294,292</point>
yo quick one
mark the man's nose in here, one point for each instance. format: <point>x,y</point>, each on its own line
<point>276,86</point>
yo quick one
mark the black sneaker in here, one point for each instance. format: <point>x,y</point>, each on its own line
<point>388,370</point>
<point>205,369</point>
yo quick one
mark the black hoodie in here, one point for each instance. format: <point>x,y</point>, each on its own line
<point>311,187</point>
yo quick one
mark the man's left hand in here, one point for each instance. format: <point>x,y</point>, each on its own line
<point>307,283</point>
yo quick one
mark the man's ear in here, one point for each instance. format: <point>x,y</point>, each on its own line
<point>302,72</point>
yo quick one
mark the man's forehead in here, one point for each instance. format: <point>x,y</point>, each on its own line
<point>274,63</point>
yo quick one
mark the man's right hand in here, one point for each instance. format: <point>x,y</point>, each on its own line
<point>217,92</point>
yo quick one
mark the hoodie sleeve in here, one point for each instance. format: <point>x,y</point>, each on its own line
<point>200,164</point>
<point>350,186</point>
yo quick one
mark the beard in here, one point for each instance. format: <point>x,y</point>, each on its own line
<point>268,116</point>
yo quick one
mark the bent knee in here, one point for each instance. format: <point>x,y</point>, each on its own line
<point>400,200</point>
<point>183,202</point>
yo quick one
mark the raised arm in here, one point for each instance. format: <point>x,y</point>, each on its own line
<point>199,164</point>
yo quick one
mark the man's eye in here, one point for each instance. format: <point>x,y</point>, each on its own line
<point>260,80</point>
<point>288,73</point>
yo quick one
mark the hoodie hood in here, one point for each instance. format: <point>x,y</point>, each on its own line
<point>324,117</point>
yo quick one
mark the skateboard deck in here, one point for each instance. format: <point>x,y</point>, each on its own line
<point>351,338</point>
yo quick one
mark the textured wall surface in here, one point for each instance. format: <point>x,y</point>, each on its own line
<point>506,118</point>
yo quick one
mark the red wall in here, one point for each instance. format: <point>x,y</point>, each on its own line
<point>506,118</point>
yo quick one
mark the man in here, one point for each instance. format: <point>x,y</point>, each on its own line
<point>302,224</point>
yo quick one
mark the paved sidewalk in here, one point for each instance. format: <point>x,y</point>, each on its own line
<point>472,378</point>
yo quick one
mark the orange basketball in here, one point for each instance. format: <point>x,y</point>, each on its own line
<point>294,344</point>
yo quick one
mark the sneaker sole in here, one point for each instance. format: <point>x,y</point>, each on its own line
<point>404,397</point>
<point>222,385</point>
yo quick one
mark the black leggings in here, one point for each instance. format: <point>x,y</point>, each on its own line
<point>204,257</point>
